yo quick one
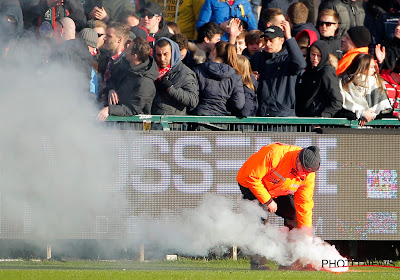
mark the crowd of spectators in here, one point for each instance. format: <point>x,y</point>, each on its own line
<point>221,57</point>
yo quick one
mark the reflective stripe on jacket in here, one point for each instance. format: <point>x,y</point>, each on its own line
<point>271,172</point>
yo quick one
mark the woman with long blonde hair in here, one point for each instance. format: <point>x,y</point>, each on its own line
<point>250,85</point>
<point>364,97</point>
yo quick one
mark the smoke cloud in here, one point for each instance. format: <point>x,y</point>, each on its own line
<point>214,224</point>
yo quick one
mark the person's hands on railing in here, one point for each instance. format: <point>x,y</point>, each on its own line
<point>103,114</point>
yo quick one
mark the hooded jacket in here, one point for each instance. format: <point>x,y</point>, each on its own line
<point>183,96</point>
<point>136,90</point>
<point>184,13</point>
<point>221,90</point>
<point>251,103</point>
<point>317,90</point>
<point>297,28</point>
<point>11,8</point>
<point>278,74</point>
<point>269,173</point>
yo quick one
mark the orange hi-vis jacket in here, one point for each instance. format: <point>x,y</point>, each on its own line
<point>271,172</point>
<point>348,58</point>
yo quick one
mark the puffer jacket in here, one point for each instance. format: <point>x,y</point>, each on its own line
<point>221,90</point>
<point>220,11</point>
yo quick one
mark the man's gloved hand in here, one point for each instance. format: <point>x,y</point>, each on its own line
<point>163,84</point>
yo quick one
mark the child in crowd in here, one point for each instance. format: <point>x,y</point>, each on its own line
<point>254,43</point>
<point>241,42</point>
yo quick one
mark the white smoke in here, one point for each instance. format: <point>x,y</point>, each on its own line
<point>214,224</point>
<point>55,166</point>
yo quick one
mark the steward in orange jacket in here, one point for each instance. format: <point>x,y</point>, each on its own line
<point>281,177</point>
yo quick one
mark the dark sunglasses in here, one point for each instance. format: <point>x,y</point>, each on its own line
<point>328,24</point>
<point>99,35</point>
<point>148,15</point>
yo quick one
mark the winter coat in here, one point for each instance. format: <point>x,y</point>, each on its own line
<point>220,90</point>
<point>183,96</point>
<point>35,10</point>
<point>251,103</point>
<point>219,11</point>
<point>269,173</point>
<point>136,90</point>
<point>184,13</point>
<point>335,45</point>
<point>278,74</point>
<point>317,90</point>
<point>350,13</point>
<point>347,59</point>
<point>113,7</point>
<point>392,53</point>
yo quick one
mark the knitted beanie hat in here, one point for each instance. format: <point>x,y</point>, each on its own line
<point>360,36</point>
<point>310,159</point>
<point>89,36</point>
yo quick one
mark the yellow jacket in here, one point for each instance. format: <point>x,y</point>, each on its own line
<point>269,174</point>
<point>186,16</point>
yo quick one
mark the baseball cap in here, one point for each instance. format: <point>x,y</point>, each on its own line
<point>273,32</point>
<point>152,8</point>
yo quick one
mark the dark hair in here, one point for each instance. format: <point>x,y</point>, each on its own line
<point>270,13</point>
<point>125,14</point>
<point>181,40</point>
<point>209,30</point>
<point>162,43</point>
<point>174,26</point>
<point>227,53</point>
<point>253,37</point>
<point>141,48</point>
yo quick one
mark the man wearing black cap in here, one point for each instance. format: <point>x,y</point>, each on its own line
<point>152,20</point>
<point>278,67</point>
<point>281,177</point>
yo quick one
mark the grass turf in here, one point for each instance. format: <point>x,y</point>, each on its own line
<point>181,269</point>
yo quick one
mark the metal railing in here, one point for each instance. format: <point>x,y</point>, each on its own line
<point>249,124</point>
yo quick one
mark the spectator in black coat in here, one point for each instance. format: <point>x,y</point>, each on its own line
<point>392,49</point>
<point>221,87</point>
<point>317,90</point>
<point>328,24</point>
<point>134,91</point>
<point>177,90</point>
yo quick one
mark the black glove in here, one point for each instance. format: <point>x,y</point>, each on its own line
<point>163,84</point>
